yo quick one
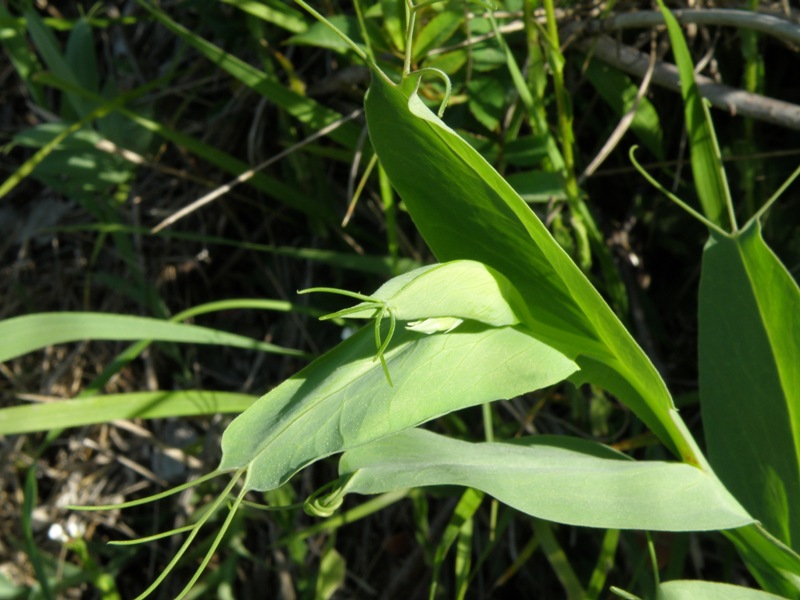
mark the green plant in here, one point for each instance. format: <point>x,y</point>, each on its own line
<point>341,402</point>
<point>507,311</point>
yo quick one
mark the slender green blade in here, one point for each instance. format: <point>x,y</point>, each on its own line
<point>27,333</point>
<point>366,263</point>
<point>48,46</point>
<point>304,109</point>
<point>460,520</point>
<point>101,409</point>
<point>437,31</point>
<point>619,92</point>
<point>567,480</point>
<point>709,176</point>
<point>749,377</point>
<point>271,186</point>
<point>279,14</point>
<point>24,59</point>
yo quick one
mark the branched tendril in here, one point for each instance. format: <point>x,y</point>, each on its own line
<point>193,529</point>
<point>381,309</point>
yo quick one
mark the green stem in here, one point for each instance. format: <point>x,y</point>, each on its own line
<point>777,194</point>
<point>536,69</point>
<point>411,17</point>
<point>750,82</point>
<point>564,116</point>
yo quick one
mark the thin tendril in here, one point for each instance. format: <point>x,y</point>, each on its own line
<point>448,86</point>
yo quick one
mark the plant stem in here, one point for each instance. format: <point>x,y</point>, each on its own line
<point>564,114</point>
<point>587,234</point>
<point>750,82</point>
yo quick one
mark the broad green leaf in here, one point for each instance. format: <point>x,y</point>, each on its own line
<point>394,21</point>
<point>76,165</point>
<point>749,313</point>
<point>487,100</point>
<point>567,480</point>
<point>102,409</point>
<point>465,210</point>
<point>100,111</point>
<point>342,399</point>
<point>331,575</point>
<point>27,333</point>
<point>709,176</point>
<point>449,62</point>
<point>487,57</point>
<point>709,590</point>
<point>524,151</point>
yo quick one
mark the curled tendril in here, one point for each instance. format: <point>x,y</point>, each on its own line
<point>327,499</point>
<point>448,86</point>
<point>411,15</point>
<point>381,308</point>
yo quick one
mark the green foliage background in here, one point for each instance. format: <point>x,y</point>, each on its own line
<point>118,115</point>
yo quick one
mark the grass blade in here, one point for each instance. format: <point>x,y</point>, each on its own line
<point>305,109</point>
<point>709,176</point>
<point>101,409</point>
<point>32,332</point>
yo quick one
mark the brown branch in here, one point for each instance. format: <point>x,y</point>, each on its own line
<point>778,27</point>
<point>733,100</point>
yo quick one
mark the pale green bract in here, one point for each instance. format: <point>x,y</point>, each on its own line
<point>435,325</point>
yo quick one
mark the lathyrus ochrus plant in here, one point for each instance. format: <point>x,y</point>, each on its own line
<point>506,312</point>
